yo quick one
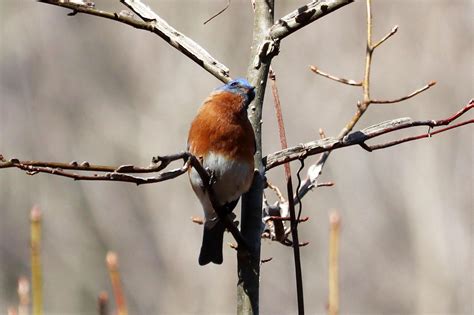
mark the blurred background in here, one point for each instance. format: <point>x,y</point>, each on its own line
<point>88,89</point>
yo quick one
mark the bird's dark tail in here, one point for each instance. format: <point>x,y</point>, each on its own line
<point>211,248</point>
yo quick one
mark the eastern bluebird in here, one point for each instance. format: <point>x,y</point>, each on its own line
<point>222,138</point>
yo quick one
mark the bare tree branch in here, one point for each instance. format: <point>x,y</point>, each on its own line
<point>155,24</point>
<point>390,34</point>
<point>303,16</point>
<point>316,169</point>
<point>112,173</point>
<point>121,173</point>
<point>359,137</point>
<point>397,100</point>
<point>264,47</point>
<point>261,54</point>
<point>337,79</point>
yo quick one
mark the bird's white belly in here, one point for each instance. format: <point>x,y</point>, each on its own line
<point>232,179</point>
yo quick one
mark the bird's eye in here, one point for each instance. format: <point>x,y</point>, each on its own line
<point>234,84</point>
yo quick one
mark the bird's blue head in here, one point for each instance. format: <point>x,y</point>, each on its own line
<point>241,87</point>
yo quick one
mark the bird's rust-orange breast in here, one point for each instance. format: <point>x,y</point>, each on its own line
<point>221,126</point>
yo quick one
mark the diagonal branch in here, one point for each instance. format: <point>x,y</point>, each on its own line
<point>303,16</point>
<point>404,98</point>
<point>334,78</point>
<point>155,24</point>
<point>390,34</point>
<point>302,151</point>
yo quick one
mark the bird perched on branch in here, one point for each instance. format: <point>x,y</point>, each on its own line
<point>222,138</point>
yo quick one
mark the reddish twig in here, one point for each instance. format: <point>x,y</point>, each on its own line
<point>326,184</point>
<point>371,148</point>
<point>291,201</point>
<point>112,266</point>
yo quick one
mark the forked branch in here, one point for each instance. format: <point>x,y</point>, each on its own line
<point>304,150</point>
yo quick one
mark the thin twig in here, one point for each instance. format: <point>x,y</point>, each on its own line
<point>368,63</point>
<point>326,184</point>
<point>277,191</point>
<point>112,173</point>
<point>390,34</point>
<point>218,13</point>
<point>197,220</point>
<point>158,163</point>
<point>371,148</point>
<point>337,79</point>
<point>275,218</point>
<point>290,243</point>
<point>414,93</point>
